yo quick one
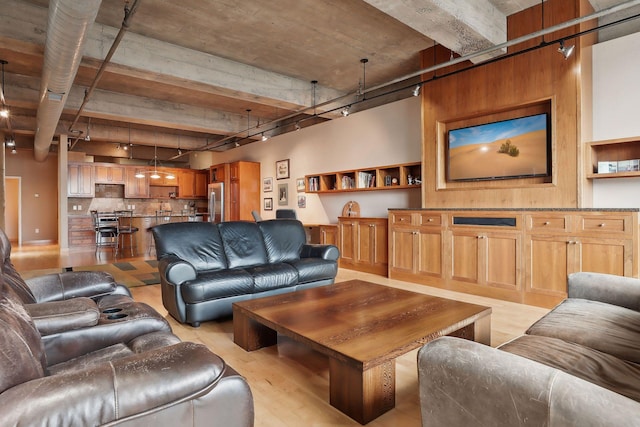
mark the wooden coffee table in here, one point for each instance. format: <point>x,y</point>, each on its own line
<point>362,327</point>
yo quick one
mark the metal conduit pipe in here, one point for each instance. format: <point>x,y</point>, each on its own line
<point>128,14</point>
<point>67,28</point>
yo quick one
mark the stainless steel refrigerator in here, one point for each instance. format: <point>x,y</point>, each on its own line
<point>216,202</point>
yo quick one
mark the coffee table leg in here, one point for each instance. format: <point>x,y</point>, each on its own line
<point>479,331</point>
<point>363,396</point>
<point>251,335</point>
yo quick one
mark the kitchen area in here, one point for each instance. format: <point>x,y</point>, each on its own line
<point>156,194</point>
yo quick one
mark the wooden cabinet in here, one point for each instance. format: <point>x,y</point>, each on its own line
<point>109,174</point>
<point>80,182</point>
<point>522,256</point>
<point>219,173</point>
<point>363,244</point>
<point>243,195</point>
<point>192,184</point>
<point>406,175</point>
<point>81,232</point>
<point>134,187</point>
<point>558,244</point>
<point>329,234</point>
<point>201,180</point>
<point>487,259</point>
<point>415,245</point>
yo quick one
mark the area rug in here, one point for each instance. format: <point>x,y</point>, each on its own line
<point>130,274</point>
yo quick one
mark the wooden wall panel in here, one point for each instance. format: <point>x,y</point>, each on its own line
<point>539,77</point>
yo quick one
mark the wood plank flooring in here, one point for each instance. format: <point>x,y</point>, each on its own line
<point>290,383</point>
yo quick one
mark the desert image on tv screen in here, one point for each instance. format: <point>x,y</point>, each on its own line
<point>509,148</point>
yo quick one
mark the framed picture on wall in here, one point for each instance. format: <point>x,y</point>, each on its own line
<point>302,201</point>
<point>267,185</point>
<point>283,194</point>
<point>282,169</point>
<point>300,185</point>
<point>268,204</point>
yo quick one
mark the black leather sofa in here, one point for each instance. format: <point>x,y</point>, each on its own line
<point>205,267</point>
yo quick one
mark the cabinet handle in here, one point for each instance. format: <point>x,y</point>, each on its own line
<point>546,223</point>
<point>482,237</point>
<point>430,220</point>
<point>602,225</point>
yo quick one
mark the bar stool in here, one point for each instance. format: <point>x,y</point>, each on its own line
<point>105,225</point>
<point>162,217</point>
<point>125,227</point>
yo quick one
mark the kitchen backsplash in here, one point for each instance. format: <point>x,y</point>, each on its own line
<point>140,207</point>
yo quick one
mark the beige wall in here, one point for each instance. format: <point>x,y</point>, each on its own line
<point>39,195</point>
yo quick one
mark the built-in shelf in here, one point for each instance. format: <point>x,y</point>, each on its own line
<point>405,175</point>
<point>613,151</point>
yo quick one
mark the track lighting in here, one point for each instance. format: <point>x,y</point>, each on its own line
<point>345,111</point>
<point>297,126</point>
<point>14,151</point>
<point>4,113</point>
<point>416,90</point>
<point>264,137</point>
<point>10,142</point>
<point>237,144</point>
<point>566,51</point>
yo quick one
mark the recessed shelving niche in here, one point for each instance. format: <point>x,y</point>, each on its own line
<point>392,177</point>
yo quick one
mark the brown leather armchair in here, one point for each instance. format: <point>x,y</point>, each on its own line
<point>152,379</point>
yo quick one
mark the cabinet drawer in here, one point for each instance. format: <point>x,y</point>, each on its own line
<point>401,218</point>
<point>548,223</point>
<point>429,219</point>
<point>605,225</point>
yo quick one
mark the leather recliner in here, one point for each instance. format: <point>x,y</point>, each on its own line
<point>79,312</point>
<point>206,267</point>
<point>152,379</point>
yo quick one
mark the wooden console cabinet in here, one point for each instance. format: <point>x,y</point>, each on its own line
<point>363,244</point>
<point>516,255</point>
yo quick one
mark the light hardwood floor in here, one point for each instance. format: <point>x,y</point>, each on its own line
<point>290,383</point>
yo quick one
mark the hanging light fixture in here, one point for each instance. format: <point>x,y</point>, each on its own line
<point>10,142</point>
<point>88,138</point>
<point>313,100</point>
<point>14,151</point>
<point>264,137</point>
<point>416,90</point>
<point>363,84</point>
<point>345,111</point>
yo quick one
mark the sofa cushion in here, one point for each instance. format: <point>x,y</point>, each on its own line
<point>216,284</point>
<point>283,239</point>
<point>22,357</point>
<point>591,365</point>
<point>604,327</point>
<point>272,276</point>
<point>198,242</point>
<point>312,269</point>
<point>243,244</point>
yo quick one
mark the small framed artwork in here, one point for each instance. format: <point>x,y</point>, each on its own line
<point>300,185</point>
<point>267,185</point>
<point>283,194</point>
<point>282,169</point>
<point>302,201</point>
<point>268,204</point>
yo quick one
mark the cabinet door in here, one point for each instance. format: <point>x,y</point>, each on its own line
<point>611,256</point>
<point>502,259</point>
<point>329,235</point>
<point>348,235</point>
<point>136,188</point>
<point>403,250</point>
<point>549,259</point>
<point>80,180</point>
<point>234,200</point>
<point>465,252</point>
<point>201,185</point>
<point>108,174</point>
<point>186,184</point>
<point>428,256</point>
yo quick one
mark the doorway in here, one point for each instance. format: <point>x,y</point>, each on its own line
<point>13,207</point>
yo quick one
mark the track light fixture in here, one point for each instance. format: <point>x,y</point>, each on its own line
<point>237,144</point>
<point>345,111</point>
<point>14,151</point>
<point>10,142</point>
<point>416,90</point>
<point>264,137</point>
<point>297,126</point>
<point>88,138</point>
<point>566,51</point>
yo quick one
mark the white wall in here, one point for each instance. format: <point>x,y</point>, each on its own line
<point>616,89</point>
<point>385,135</point>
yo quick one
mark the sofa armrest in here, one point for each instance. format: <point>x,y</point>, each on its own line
<point>328,252</point>
<point>608,288</point>
<point>73,284</point>
<point>176,270</point>
<point>115,390</point>
<point>60,316</point>
<point>462,382</point>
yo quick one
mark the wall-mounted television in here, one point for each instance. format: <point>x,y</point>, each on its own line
<point>506,149</point>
